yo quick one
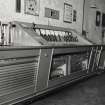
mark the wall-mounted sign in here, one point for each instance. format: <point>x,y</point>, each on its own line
<point>67,13</point>
<point>32,7</point>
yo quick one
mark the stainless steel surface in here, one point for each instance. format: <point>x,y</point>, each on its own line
<point>44,68</point>
<point>69,50</point>
<point>92,59</point>
<point>101,63</point>
<point>53,83</point>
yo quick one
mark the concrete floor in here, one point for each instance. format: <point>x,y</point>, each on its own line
<point>86,92</point>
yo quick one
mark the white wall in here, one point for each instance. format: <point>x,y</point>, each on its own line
<point>7,13</point>
<point>94,33</point>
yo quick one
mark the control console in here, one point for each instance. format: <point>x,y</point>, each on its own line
<point>37,35</point>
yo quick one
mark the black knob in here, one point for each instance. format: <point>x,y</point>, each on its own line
<point>55,39</point>
<point>59,38</point>
<point>49,38</point>
<point>64,38</point>
<point>45,37</point>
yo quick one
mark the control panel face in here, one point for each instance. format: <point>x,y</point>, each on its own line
<point>53,36</point>
<point>49,35</point>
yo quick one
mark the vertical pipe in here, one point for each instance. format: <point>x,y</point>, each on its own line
<point>10,34</point>
<point>7,39</point>
<point>4,34</point>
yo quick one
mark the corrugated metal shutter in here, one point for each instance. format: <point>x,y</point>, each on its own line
<point>16,75</point>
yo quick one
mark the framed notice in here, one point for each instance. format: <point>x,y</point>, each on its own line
<point>32,7</point>
<point>67,13</point>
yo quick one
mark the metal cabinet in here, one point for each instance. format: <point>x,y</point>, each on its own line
<point>27,72</point>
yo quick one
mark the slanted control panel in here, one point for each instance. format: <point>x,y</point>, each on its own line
<point>38,35</point>
<point>56,36</point>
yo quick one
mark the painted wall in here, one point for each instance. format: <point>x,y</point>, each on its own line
<point>93,32</point>
<point>8,13</point>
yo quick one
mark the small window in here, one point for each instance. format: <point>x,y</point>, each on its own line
<point>18,6</point>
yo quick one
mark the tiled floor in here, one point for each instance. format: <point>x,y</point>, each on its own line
<point>85,92</point>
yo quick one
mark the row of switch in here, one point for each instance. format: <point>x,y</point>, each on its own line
<point>59,38</point>
<point>56,36</point>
